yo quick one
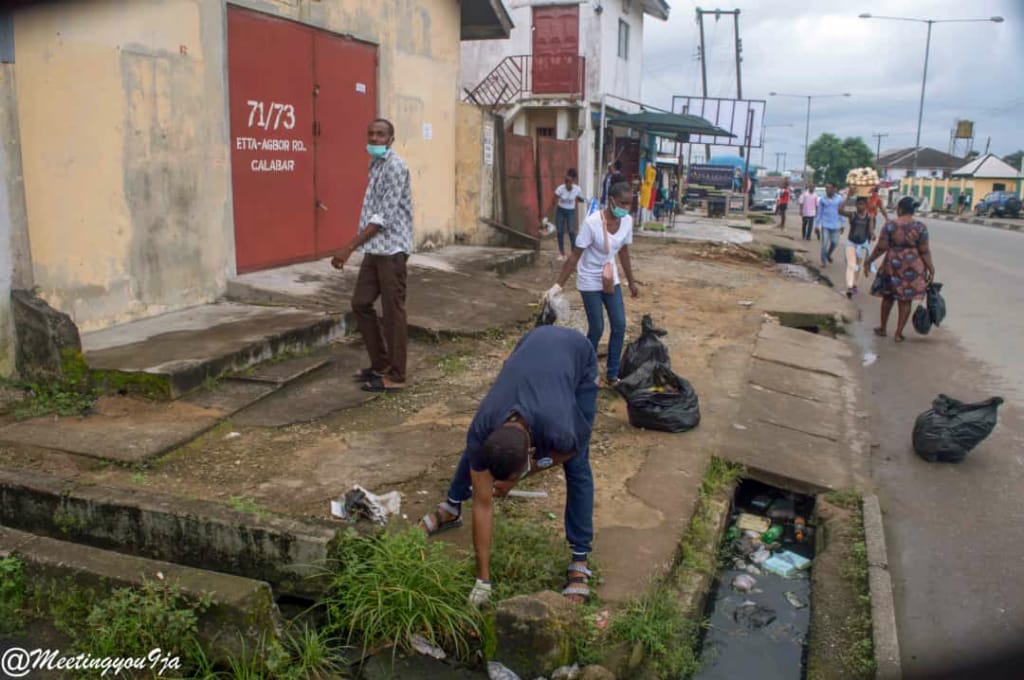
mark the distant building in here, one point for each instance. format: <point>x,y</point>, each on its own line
<point>975,180</point>
<point>899,163</point>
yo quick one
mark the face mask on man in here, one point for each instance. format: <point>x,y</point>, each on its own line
<point>619,212</point>
<point>376,150</point>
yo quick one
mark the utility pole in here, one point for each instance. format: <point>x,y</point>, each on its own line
<point>703,58</point>
<point>703,69</point>
<point>878,144</point>
<point>778,155</point>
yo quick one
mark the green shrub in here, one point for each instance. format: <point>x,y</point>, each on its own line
<point>12,594</point>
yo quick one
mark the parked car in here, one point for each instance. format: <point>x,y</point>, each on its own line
<point>765,199</point>
<point>999,204</point>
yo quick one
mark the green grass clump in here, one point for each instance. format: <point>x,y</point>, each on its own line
<point>860,656</point>
<point>47,398</point>
<point>12,594</point>
<point>669,639</point>
<point>389,587</point>
<point>526,557</point>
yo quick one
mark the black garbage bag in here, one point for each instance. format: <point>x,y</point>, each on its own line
<point>948,431</point>
<point>658,399</point>
<point>936,303</point>
<point>645,349</point>
<point>922,320</point>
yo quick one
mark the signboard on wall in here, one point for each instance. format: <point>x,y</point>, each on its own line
<point>728,114</point>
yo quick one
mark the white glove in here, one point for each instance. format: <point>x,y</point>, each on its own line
<point>481,593</point>
<point>552,291</point>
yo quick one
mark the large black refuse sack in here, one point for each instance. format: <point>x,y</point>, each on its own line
<point>948,431</point>
<point>936,303</point>
<point>922,320</point>
<point>647,349</point>
<point>658,399</point>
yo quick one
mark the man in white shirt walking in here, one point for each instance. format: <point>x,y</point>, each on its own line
<point>569,194</point>
<point>808,210</point>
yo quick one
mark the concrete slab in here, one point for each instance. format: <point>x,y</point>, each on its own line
<point>314,396</point>
<point>774,239</point>
<point>449,293</point>
<point>124,429</point>
<point>801,356</point>
<point>281,551</point>
<point>819,387</point>
<point>230,396</point>
<point>699,229</point>
<point>241,615</point>
<point>813,463</point>
<point>281,372</point>
<point>188,346</point>
<point>818,418</point>
<point>806,304</point>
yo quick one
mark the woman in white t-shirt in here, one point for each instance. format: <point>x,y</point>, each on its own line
<point>569,194</point>
<point>588,259</point>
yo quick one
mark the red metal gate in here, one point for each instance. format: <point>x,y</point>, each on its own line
<point>297,194</point>
<point>271,113</point>
<point>346,102</point>
<point>556,45</point>
<point>521,180</point>
<point>554,157</point>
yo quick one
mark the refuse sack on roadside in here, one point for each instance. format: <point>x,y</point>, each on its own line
<point>658,399</point>
<point>948,431</point>
<point>554,308</point>
<point>645,349</point>
<point>922,320</point>
<point>936,303</point>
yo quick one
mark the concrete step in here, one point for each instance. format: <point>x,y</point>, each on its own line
<point>242,611</point>
<point>286,553</point>
<point>173,354</point>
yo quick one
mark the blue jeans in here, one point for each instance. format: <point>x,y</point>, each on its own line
<point>565,220</point>
<point>579,480</point>
<point>593,301</point>
<point>829,243</point>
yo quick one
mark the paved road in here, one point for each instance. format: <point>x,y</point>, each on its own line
<point>955,532</point>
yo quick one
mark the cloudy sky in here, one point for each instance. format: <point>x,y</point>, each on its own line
<point>975,71</point>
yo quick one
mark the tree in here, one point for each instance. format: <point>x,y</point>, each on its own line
<point>1014,158</point>
<point>832,158</point>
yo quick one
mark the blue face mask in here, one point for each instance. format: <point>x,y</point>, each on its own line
<point>619,212</point>
<point>376,150</point>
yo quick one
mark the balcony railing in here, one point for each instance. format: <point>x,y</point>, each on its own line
<point>526,76</point>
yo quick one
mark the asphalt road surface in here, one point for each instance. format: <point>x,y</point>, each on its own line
<point>955,533</point>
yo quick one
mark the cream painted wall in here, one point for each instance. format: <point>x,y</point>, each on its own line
<point>124,137</point>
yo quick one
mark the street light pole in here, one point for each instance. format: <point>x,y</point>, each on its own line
<point>807,124</point>
<point>927,49</point>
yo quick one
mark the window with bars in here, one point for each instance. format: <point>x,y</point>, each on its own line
<point>623,39</point>
<point>545,132</point>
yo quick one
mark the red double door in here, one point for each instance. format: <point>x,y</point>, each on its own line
<point>556,46</point>
<point>300,103</point>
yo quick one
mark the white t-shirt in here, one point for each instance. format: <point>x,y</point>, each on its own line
<point>591,240</point>
<point>567,197</point>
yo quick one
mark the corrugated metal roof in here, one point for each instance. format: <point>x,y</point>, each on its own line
<point>987,167</point>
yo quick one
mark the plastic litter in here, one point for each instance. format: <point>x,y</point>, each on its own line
<point>658,399</point>
<point>794,600</point>
<point>361,503</point>
<point>753,570</point>
<point>782,509</point>
<point>645,349</point>
<point>761,556</point>
<point>554,309</point>
<point>566,672</point>
<point>773,534</point>
<point>744,583</point>
<point>936,303</point>
<point>422,645</point>
<point>748,522</point>
<point>786,564</point>
<point>948,431</point>
<point>232,435</point>
<point>499,671</point>
<point>922,320</point>
<point>869,359</point>
<point>753,616</point>
<point>761,503</point>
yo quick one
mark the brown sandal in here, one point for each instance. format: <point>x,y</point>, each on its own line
<point>577,586</point>
<point>880,332</point>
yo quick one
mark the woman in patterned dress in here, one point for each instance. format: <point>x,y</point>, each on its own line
<point>907,268</point>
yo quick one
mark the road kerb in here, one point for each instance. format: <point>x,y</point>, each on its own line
<point>883,607</point>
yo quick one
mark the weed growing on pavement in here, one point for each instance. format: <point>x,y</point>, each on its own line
<point>12,594</point>
<point>527,557</point>
<point>844,498</point>
<point>696,551</point>
<point>386,588</point>
<point>454,363</point>
<point>657,622</point>
<point>58,398</point>
<point>860,657</point>
<point>246,504</point>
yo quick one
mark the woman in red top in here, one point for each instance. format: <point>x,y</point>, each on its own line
<point>875,206</point>
<point>783,204</point>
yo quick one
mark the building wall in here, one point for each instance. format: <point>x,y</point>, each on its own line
<point>479,57</point>
<point>934,188</point>
<point>15,262</point>
<point>475,174</point>
<point>615,75</point>
<point>124,123</point>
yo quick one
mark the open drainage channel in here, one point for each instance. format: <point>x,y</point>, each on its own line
<point>758,612</point>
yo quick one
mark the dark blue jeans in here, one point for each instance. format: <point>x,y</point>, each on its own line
<point>579,480</point>
<point>595,302</point>
<point>565,220</point>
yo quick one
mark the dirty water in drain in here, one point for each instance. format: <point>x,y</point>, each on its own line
<point>758,613</point>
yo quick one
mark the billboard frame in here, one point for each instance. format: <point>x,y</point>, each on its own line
<point>734,111</point>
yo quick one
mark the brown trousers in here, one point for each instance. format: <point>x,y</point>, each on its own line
<point>383,276</point>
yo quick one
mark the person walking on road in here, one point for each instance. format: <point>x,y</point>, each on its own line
<point>538,414</point>
<point>828,223</point>
<point>783,204</point>
<point>907,268</point>
<point>948,202</point>
<point>808,210</point>
<point>385,239</point>
<point>568,194</point>
<point>858,242</point>
<point>604,234</point>
<point>875,206</point>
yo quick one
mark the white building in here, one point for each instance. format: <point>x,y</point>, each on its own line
<point>559,60</point>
